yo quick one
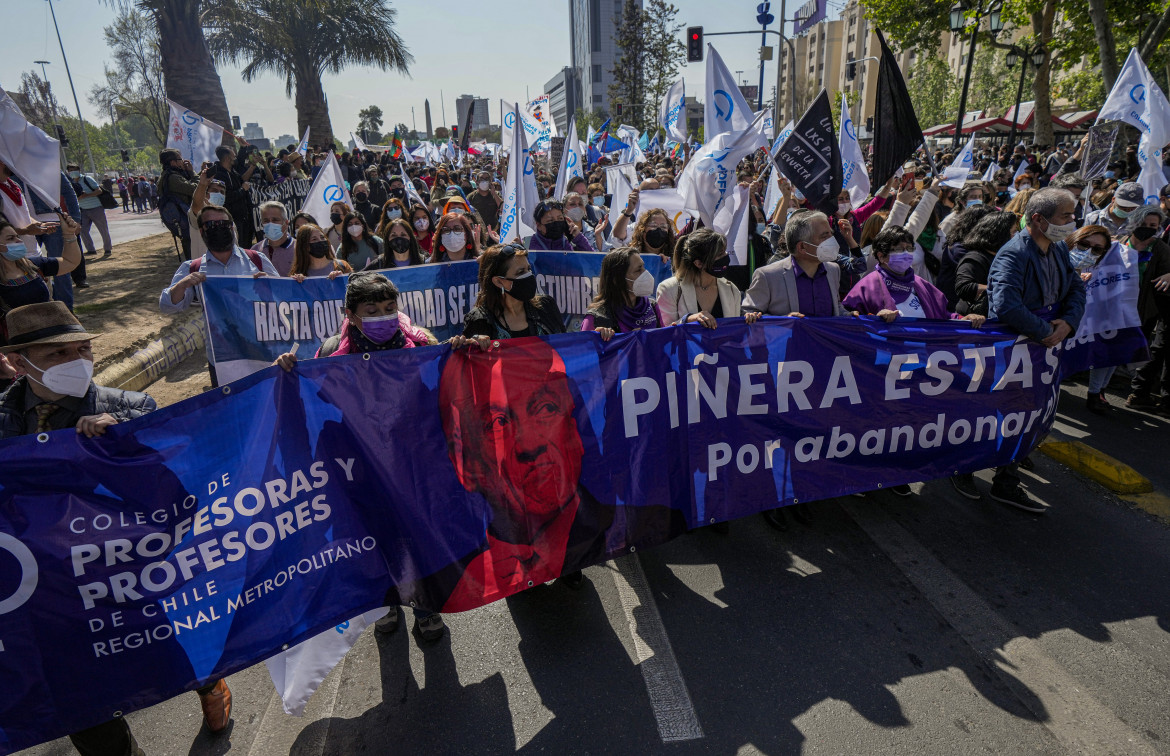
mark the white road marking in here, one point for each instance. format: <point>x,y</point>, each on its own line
<point>1059,701</point>
<point>669,698</point>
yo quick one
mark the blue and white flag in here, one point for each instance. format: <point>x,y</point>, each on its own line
<point>303,147</point>
<point>520,195</point>
<point>782,137</point>
<point>989,174</point>
<point>707,180</point>
<point>644,141</point>
<point>855,180</point>
<point>769,126</point>
<point>193,136</point>
<point>655,146</point>
<point>411,192</point>
<point>1138,100</point>
<point>571,167</point>
<point>956,175</point>
<point>1110,331</point>
<point>772,195</point>
<point>672,112</point>
<point>327,188</point>
<point>629,136</point>
<point>621,179</point>
<point>726,110</point>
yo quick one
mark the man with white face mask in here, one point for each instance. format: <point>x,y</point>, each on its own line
<point>277,243</point>
<point>1033,289</point>
<point>804,283</point>
<point>48,344</point>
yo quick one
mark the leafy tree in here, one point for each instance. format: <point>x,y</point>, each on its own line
<point>933,90</point>
<point>1084,88</point>
<point>589,119</point>
<point>136,83</point>
<point>442,132</point>
<point>651,53</point>
<point>665,53</point>
<point>370,121</point>
<point>304,40</point>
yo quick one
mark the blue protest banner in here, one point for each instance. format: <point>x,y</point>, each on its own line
<point>252,321</point>
<point>200,539</point>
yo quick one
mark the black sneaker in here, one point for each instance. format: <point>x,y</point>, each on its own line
<point>1097,403</point>
<point>430,628</point>
<point>777,519</point>
<point>1141,402</point>
<point>574,580</point>
<point>1018,498</point>
<point>902,490</point>
<point>82,285</point>
<point>389,623</point>
<point>965,485</point>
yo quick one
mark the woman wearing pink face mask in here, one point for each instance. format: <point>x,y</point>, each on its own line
<point>893,290</point>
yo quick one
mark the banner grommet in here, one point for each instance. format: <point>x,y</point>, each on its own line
<point>366,356</point>
<point>42,437</point>
<point>227,390</point>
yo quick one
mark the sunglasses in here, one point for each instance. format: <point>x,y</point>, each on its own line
<point>1095,249</point>
<point>211,224</point>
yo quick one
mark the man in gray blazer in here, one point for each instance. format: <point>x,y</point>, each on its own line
<point>805,282</point>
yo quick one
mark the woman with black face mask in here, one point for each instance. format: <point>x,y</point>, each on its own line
<point>554,231</point>
<point>698,291</point>
<point>399,247</point>
<point>654,235</point>
<point>508,306</point>
<point>313,256</point>
<point>335,231</point>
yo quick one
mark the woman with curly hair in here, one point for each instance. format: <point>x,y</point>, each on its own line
<point>654,235</point>
<point>454,240</point>
<point>313,256</point>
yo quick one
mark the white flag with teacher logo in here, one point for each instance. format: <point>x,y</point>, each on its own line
<point>854,178</point>
<point>672,113</point>
<point>1138,100</point>
<point>725,110</point>
<point>327,188</point>
<point>193,136</point>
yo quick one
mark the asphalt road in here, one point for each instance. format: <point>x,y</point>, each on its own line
<point>931,624</point>
<point>126,227</point>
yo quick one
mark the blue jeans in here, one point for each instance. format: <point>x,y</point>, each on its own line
<point>1099,378</point>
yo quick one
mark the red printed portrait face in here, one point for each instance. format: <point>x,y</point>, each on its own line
<point>508,418</point>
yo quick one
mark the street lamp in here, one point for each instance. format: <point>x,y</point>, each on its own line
<point>1014,54</point>
<point>958,24</point>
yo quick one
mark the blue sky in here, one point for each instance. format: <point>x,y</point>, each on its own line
<point>513,49</point>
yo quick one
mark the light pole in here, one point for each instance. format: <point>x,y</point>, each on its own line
<point>959,25</point>
<point>76,104</point>
<point>52,105</point>
<point>1037,58</point>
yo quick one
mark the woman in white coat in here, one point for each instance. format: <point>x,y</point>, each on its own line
<point>698,292</point>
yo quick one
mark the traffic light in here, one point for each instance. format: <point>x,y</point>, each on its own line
<point>61,134</point>
<point>125,156</point>
<point>850,70</point>
<point>694,44</point>
<point>869,125</point>
<point>617,109</point>
<point>455,133</point>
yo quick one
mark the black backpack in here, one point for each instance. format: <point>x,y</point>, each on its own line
<point>171,209</point>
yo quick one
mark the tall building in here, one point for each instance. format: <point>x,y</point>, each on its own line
<point>564,96</point>
<point>694,116</point>
<point>818,54</point>
<point>861,42</point>
<point>591,31</point>
<point>479,119</point>
<point>427,110</point>
<point>284,140</point>
<point>253,131</point>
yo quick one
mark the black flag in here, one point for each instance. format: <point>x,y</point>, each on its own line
<point>811,157</point>
<point>467,127</point>
<point>896,133</point>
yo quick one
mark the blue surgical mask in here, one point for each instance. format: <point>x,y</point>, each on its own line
<point>761,228</point>
<point>599,200</point>
<point>1110,174</point>
<point>16,251</point>
<point>273,231</point>
<point>216,198</point>
<point>394,213</point>
<point>974,203</point>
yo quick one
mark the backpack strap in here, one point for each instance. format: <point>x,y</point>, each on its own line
<point>253,255</point>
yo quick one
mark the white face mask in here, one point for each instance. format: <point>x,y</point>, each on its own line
<point>643,285</point>
<point>843,208</point>
<point>827,250</point>
<point>1059,233</point>
<point>575,213</point>
<point>453,240</point>
<point>394,213</point>
<point>422,224</point>
<point>69,378</point>
<point>355,230</point>
<point>483,186</point>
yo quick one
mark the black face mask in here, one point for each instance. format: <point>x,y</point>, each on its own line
<point>399,244</point>
<point>1144,233</point>
<point>361,196</point>
<point>319,249</point>
<point>719,267</point>
<point>657,237</point>
<point>523,289</point>
<point>335,218</point>
<point>555,229</point>
<point>398,192</point>
<point>218,238</point>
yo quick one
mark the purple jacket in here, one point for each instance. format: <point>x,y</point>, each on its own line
<point>870,296</point>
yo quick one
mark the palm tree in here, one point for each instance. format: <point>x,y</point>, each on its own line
<point>188,68</point>
<point>304,39</point>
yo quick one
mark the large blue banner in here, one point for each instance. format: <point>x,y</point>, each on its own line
<point>252,321</point>
<point>198,540</point>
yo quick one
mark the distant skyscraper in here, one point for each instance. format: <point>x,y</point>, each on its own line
<point>564,96</point>
<point>591,31</point>
<point>427,110</point>
<point>479,119</point>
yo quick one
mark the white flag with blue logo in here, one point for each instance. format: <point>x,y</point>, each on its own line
<point>570,161</point>
<point>629,136</point>
<point>193,135</point>
<point>854,178</point>
<point>520,196</point>
<point>769,126</point>
<point>725,110</point>
<point>327,188</point>
<point>1139,101</point>
<point>782,137</point>
<point>772,195</point>
<point>707,180</point>
<point>303,147</point>
<point>407,184</point>
<point>956,174</point>
<point>989,174</point>
<point>672,113</point>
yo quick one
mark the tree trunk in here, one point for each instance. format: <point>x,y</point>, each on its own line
<point>188,70</point>
<point>1152,38</point>
<point>1103,28</point>
<point>1042,85</point>
<point>312,109</point>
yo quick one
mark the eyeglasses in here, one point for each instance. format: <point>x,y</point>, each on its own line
<point>511,249</point>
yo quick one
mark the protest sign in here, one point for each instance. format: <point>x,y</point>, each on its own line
<point>291,193</point>
<point>198,540</point>
<point>811,158</point>
<point>252,321</point>
<point>1110,331</point>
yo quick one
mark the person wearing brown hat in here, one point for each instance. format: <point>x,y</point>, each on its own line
<point>56,391</point>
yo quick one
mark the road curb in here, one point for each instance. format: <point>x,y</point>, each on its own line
<point>1098,466</point>
<point>175,343</point>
